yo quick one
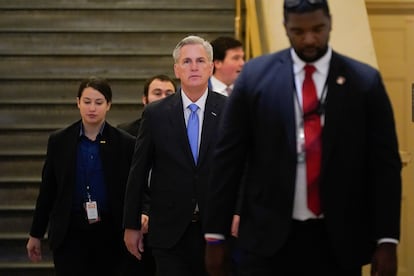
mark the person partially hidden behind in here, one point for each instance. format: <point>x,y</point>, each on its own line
<point>81,195</point>
<point>228,59</point>
<point>175,143</point>
<point>155,88</point>
<point>323,183</point>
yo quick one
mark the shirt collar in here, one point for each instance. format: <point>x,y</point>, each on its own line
<point>322,64</point>
<point>82,132</point>
<point>218,85</point>
<point>201,102</point>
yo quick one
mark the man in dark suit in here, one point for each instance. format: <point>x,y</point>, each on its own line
<point>329,216</point>
<point>228,59</point>
<point>179,162</point>
<point>155,88</point>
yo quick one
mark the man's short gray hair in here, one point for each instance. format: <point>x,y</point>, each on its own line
<point>193,40</point>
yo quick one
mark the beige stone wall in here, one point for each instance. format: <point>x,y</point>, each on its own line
<point>350,28</point>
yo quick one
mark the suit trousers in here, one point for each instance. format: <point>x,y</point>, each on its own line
<point>90,249</point>
<point>186,258</point>
<point>306,252</point>
<point>144,267</point>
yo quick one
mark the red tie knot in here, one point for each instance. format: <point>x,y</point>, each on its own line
<point>309,69</point>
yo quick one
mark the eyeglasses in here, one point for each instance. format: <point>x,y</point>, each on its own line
<point>294,3</point>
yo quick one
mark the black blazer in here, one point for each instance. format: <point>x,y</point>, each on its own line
<point>176,183</point>
<point>131,127</point>
<point>54,202</point>
<point>360,177</point>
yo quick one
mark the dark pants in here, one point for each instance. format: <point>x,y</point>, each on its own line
<point>235,255</point>
<point>186,258</point>
<point>144,267</point>
<point>90,249</point>
<point>306,252</point>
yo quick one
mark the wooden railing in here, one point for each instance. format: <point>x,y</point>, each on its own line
<point>252,42</point>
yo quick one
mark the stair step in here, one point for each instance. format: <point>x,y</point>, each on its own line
<point>13,256</point>
<point>13,248</point>
<point>82,20</point>
<point>25,265</point>
<point>19,192</point>
<point>79,67</point>
<point>27,269</point>
<point>44,91</point>
<point>125,4</point>
<point>16,218</point>
<point>23,143</point>
<point>108,43</point>
<point>15,168</point>
<point>41,116</point>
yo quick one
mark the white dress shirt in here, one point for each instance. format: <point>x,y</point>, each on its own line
<point>219,86</point>
<point>300,207</point>
<point>201,103</point>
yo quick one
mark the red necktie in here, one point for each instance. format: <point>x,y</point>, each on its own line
<point>313,145</point>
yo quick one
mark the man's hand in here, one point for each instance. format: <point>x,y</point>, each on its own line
<point>235,226</point>
<point>134,242</point>
<point>384,261</point>
<point>144,224</point>
<point>217,259</point>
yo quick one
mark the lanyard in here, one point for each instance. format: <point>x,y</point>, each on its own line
<point>319,110</point>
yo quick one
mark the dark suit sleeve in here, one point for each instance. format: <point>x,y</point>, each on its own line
<point>223,196</point>
<point>240,194</point>
<point>384,162</point>
<point>47,194</point>
<point>138,176</point>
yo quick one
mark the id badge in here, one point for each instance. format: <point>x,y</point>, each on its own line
<point>92,211</point>
<point>300,146</point>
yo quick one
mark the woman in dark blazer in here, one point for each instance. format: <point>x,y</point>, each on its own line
<point>81,195</point>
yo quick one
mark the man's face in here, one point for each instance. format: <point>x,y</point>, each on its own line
<point>308,34</point>
<point>193,67</point>
<point>158,90</point>
<point>228,70</point>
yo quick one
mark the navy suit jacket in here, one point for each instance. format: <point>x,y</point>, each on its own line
<point>54,203</point>
<point>177,184</point>
<point>360,172</point>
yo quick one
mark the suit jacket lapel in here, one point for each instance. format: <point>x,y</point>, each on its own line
<point>108,152</point>
<point>289,109</point>
<point>69,154</point>
<point>211,114</point>
<point>337,89</point>
<point>284,98</point>
<point>178,127</point>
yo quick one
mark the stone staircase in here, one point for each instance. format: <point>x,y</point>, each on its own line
<point>46,48</point>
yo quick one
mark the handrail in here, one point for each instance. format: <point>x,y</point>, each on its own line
<point>237,20</point>
<point>253,45</point>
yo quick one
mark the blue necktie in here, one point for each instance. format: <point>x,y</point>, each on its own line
<point>192,130</point>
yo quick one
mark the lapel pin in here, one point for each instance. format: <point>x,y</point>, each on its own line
<point>102,142</point>
<point>340,80</point>
<point>214,114</point>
